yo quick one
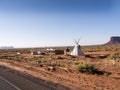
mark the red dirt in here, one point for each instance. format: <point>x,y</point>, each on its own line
<point>70,78</point>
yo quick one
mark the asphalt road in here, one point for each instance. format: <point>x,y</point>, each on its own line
<point>14,80</point>
<point>6,85</point>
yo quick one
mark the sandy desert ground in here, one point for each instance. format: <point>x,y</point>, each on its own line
<point>63,69</point>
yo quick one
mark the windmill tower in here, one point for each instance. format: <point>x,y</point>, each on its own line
<point>77,49</point>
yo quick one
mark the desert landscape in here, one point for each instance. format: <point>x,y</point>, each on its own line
<point>97,69</point>
<point>59,44</point>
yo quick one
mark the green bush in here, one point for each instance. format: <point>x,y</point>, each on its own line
<point>86,68</point>
<point>115,56</point>
<point>44,61</point>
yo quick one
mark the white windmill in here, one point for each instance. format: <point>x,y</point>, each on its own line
<point>77,49</point>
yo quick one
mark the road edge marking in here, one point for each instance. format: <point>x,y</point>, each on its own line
<point>17,88</point>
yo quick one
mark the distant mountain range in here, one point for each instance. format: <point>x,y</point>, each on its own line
<point>6,47</point>
<point>113,40</point>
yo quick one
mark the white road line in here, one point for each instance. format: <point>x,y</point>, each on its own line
<point>17,88</point>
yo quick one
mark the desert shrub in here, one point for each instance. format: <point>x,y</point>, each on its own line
<point>76,62</point>
<point>59,57</point>
<point>90,69</point>
<point>54,63</point>
<point>41,62</point>
<point>115,56</point>
<point>17,58</point>
<point>38,62</point>
<point>86,68</point>
<point>35,58</point>
<point>4,57</point>
<point>26,51</point>
<point>44,61</point>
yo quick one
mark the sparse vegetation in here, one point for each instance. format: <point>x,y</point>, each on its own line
<point>99,62</point>
<point>115,56</point>
<point>86,68</point>
<point>90,69</point>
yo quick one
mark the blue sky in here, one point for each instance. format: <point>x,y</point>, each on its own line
<point>39,23</point>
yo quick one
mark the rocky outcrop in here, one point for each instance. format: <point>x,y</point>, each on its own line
<point>114,40</point>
